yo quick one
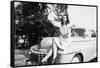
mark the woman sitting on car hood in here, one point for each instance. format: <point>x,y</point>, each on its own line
<point>61,43</point>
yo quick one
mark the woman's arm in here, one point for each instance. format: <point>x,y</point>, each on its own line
<point>69,34</point>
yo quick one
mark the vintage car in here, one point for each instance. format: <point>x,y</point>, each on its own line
<point>81,49</point>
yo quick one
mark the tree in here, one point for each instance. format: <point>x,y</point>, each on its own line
<point>31,18</point>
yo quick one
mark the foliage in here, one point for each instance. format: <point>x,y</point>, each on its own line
<point>32,19</point>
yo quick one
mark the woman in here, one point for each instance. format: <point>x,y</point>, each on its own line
<point>60,43</point>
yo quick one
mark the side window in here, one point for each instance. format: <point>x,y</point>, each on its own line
<point>93,33</point>
<point>78,32</point>
<point>90,33</point>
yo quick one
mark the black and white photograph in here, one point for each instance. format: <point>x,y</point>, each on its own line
<point>44,33</point>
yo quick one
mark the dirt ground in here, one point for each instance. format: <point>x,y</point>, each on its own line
<point>21,56</point>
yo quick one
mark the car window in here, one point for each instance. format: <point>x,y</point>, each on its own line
<point>78,32</point>
<point>93,33</point>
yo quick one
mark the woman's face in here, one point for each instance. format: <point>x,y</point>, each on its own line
<point>64,18</point>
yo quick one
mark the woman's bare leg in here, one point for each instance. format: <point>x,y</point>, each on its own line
<point>47,56</point>
<point>54,50</point>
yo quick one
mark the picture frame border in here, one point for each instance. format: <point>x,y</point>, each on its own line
<point>12,30</point>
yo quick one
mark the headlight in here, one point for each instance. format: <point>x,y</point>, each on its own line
<point>30,52</point>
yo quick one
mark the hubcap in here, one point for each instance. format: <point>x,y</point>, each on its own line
<point>75,59</point>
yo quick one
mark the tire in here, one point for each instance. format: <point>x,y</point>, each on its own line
<point>76,59</point>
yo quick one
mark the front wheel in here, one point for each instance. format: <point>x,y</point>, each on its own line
<point>76,59</point>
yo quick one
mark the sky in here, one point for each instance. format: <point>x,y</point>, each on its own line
<point>82,16</point>
<point>16,4</point>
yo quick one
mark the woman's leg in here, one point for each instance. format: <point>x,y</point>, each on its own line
<point>47,56</point>
<point>58,43</point>
<point>54,49</point>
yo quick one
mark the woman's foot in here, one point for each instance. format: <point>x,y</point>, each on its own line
<point>44,60</point>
